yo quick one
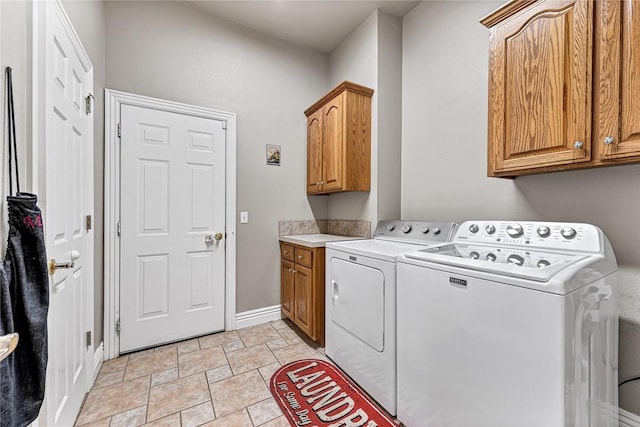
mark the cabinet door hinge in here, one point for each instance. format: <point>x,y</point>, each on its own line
<point>118,229</point>
<point>119,130</point>
<point>87,222</point>
<point>87,336</point>
<point>118,327</point>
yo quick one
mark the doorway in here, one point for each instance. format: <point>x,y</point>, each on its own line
<point>169,222</point>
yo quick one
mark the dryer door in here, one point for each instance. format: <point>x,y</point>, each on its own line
<point>357,301</point>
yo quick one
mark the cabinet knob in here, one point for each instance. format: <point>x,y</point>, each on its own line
<point>285,252</point>
<point>608,140</point>
<point>300,257</point>
<point>578,144</point>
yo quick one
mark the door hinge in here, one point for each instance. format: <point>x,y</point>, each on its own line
<point>88,338</point>
<point>119,130</point>
<point>118,327</point>
<point>118,229</point>
<point>224,125</point>
<point>89,103</point>
<point>87,222</point>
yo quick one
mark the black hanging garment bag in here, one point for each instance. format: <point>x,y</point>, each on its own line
<point>24,297</point>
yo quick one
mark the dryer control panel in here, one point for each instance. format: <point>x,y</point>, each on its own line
<point>565,236</point>
<point>415,231</point>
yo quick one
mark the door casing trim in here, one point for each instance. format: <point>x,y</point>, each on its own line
<point>113,100</point>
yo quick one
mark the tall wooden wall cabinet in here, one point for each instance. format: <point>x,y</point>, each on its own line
<point>339,141</point>
<point>564,78</point>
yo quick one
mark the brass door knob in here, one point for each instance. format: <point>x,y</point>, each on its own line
<point>218,236</point>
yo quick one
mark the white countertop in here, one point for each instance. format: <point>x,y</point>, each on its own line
<point>315,240</point>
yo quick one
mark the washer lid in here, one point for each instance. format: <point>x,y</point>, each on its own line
<point>505,261</point>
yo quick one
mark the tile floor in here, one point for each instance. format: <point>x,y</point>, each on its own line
<point>219,380</point>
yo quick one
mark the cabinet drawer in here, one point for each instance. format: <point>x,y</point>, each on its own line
<point>287,251</point>
<point>303,256</point>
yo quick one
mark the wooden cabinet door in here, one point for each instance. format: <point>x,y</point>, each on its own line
<point>617,91</point>
<point>540,86</point>
<point>303,313</point>
<point>287,289</point>
<point>332,150</point>
<point>314,152</point>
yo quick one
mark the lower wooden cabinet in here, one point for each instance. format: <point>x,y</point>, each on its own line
<point>302,288</point>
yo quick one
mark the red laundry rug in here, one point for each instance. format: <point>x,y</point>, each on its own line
<point>314,393</point>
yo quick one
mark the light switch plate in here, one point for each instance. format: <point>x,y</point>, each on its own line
<point>244,217</point>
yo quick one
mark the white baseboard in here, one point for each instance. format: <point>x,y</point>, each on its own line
<point>98,358</point>
<point>628,419</point>
<point>259,316</point>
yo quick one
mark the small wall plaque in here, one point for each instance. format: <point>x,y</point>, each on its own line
<point>273,155</point>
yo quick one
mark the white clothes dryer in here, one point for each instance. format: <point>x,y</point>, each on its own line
<point>511,324</point>
<point>360,314</point>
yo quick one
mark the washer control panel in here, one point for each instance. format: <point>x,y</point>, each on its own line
<point>415,231</point>
<point>551,235</point>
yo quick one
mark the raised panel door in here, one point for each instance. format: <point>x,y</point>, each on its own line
<point>314,152</point>
<point>333,143</point>
<point>304,300</point>
<point>172,283</point>
<point>540,77</point>
<point>617,107</point>
<point>67,157</point>
<point>287,280</point>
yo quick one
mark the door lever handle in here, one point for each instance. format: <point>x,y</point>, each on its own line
<point>53,265</point>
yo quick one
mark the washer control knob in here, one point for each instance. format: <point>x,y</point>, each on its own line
<point>515,259</point>
<point>515,230</point>
<point>425,230</point>
<point>474,255</point>
<point>474,228</point>
<point>406,228</point>
<point>568,232</point>
<point>544,231</point>
<point>490,229</point>
<point>391,227</point>
<point>543,263</point>
<point>491,257</point>
<point>436,231</point>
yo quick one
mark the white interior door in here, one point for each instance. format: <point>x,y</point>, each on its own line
<point>172,268</point>
<point>67,196</point>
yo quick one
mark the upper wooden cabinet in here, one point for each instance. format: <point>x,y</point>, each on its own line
<point>339,141</point>
<point>544,56</point>
<point>617,82</point>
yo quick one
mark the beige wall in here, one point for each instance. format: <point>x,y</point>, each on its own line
<point>15,52</point>
<point>356,60</point>
<point>89,19</point>
<point>371,56</point>
<point>444,127</point>
<point>173,51</point>
<point>389,149</point>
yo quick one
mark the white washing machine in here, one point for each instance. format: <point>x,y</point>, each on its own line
<point>511,324</point>
<point>360,318</point>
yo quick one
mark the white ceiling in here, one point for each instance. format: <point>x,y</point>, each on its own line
<point>320,25</point>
